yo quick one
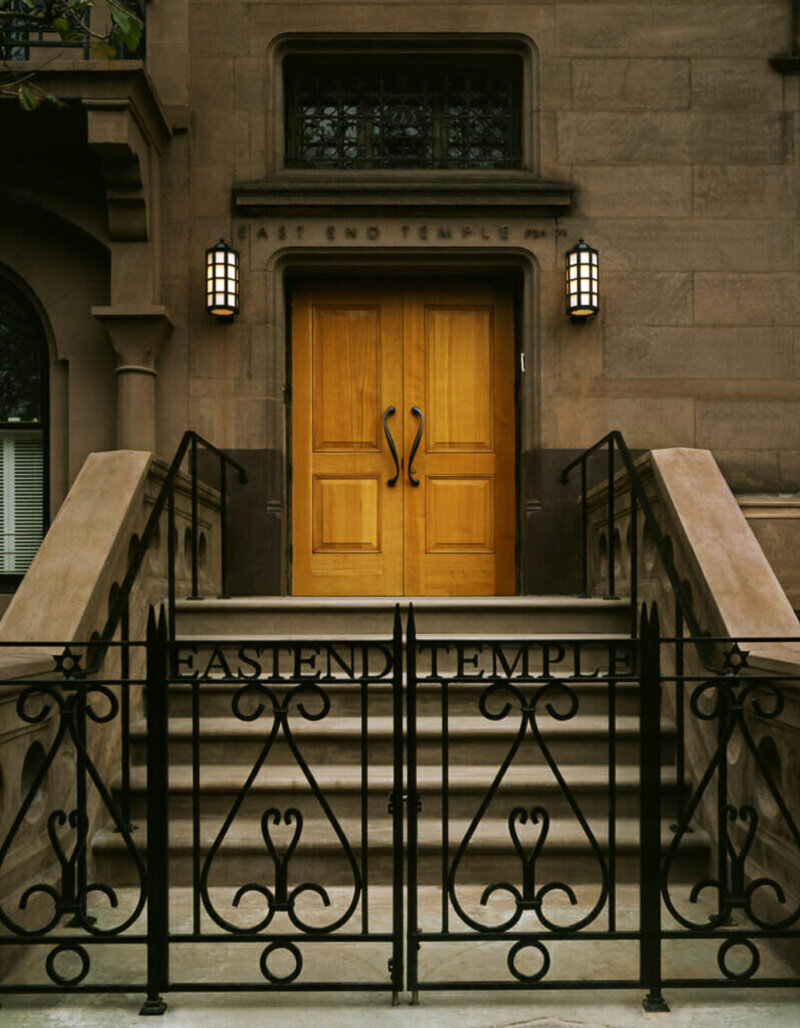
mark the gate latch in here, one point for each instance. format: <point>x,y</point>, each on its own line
<point>390,806</point>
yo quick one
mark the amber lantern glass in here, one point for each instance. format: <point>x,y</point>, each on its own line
<point>583,281</point>
<point>222,280</point>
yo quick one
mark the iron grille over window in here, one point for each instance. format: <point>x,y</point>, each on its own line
<point>403,111</point>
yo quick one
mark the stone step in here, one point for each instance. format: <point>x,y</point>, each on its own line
<point>215,698</point>
<point>319,857</point>
<point>338,740</point>
<point>310,615</point>
<point>286,786</point>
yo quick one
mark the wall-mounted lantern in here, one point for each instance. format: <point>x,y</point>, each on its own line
<point>222,280</point>
<point>583,276</point>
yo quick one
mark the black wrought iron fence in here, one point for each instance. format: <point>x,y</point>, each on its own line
<point>300,715</point>
<point>739,923</point>
<point>70,729</point>
<point>552,839</point>
<point>526,712</point>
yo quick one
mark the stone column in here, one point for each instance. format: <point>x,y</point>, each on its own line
<point>137,334</point>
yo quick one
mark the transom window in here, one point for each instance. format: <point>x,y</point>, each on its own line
<point>403,111</point>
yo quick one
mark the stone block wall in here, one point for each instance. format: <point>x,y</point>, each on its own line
<point>680,142</point>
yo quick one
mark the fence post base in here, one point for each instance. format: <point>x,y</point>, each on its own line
<point>153,1006</point>
<point>654,1003</point>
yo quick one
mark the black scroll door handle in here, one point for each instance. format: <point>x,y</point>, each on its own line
<point>415,445</point>
<point>386,415</point>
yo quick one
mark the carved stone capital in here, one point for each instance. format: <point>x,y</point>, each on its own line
<point>136,333</point>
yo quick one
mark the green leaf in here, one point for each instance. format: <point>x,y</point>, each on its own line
<point>67,31</point>
<point>120,18</point>
<point>27,98</point>
<point>130,27</point>
<point>102,48</point>
<point>51,99</point>
<point>133,36</point>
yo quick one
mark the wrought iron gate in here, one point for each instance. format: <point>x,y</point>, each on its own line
<point>516,895</point>
<point>305,894</point>
<point>515,855</point>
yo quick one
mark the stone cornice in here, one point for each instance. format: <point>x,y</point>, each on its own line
<point>333,193</point>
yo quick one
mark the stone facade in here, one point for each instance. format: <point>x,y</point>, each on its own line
<point>659,132</point>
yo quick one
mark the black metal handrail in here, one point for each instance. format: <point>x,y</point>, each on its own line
<point>683,612</point>
<point>616,444</point>
<point>118,615</point>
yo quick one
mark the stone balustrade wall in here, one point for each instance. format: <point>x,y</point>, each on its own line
<point>67,596</point>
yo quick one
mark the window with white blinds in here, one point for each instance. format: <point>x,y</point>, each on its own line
<point>21,498</point>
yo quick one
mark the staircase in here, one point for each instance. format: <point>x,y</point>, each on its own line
<point>332,747</point>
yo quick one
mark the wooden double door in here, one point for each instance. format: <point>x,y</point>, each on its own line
<point>403,440</point>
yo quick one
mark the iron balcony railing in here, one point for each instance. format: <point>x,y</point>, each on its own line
<point>23,37</point>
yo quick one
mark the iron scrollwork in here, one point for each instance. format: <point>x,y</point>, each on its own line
<point>561,703</point>
<point>727,700</point>
<point>281,898</point>
<point>73,700</point>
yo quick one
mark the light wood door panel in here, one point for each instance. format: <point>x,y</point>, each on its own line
<point>347,525</point>
<point>457,346</point>
<point>459,370</point>
<point>358,350</point>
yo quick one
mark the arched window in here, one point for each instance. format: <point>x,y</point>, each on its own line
<point>23,432</point>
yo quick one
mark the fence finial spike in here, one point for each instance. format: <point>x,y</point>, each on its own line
<point>654,619</point>
<point>162,622</point>
<point>644,622</point>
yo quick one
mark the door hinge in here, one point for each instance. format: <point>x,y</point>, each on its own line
<point>287,393</point>
<point>522,362</point>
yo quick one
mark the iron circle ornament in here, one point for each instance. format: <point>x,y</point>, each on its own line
<point>284,979</point>
<point>64,980</point>
<point>752,967</point>
<point>515,951</point>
